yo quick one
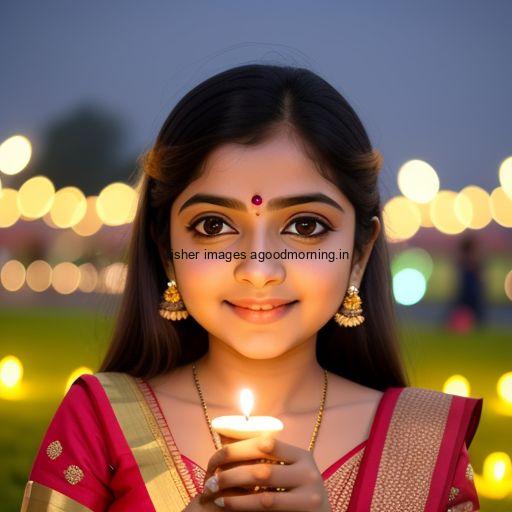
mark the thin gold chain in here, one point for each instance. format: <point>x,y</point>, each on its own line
<point>215,435</point>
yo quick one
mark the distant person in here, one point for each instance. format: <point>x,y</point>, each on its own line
<point>467,309</point>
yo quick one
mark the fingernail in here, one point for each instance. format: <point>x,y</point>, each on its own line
<point>219,502</point>
<point>212,483</point>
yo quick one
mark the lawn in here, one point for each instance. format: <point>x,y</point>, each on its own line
<point>51,343</point>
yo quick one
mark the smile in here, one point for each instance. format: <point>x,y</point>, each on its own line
<point>261,313</point>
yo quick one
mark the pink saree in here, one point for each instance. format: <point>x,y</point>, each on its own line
<point>109,447</point>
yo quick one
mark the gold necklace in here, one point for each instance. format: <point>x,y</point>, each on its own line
<point>215,435</point>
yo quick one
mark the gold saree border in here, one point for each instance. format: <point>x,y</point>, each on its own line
<point>156,465</point>
<point>411,449</point>
<point>40,498</point>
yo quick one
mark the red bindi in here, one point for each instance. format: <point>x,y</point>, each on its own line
<point>256,199</point>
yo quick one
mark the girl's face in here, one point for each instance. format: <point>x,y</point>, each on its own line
<point>275,170</point>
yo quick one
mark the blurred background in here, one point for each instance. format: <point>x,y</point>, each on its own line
<point>85,88</point>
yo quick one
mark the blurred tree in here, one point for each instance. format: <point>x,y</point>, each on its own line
<point>82,149</point>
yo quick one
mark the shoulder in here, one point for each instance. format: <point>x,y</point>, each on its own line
<point>347,392</point>
<point>75,454</point>
<point>429,410</point>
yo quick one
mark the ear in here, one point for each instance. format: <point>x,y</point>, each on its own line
<point>361,260</point>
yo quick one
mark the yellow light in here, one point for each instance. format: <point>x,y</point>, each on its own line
<point>69,207</point>
<point>113,278</point>
<point>457,385</point>
<point>90,223</point>
<point>9,212</point>
<point>508,285</point>
<point>497,467</point>
<point>12,275</point>
<point>39,276</point>
<point>418,181</point>
<point>426,221</point>
<point>501,207</point>
<point>450,213</point>
<point>402,219</point>
<point>65,278</point>
<point>116,204</point>
<point>82,370</point>
<point>15,154</point>
<point>88,278</point>
<point>11,371</point>
<point>481,206</point>
<point>35,197</point>
<point>504,387</point>
<point>505,176</point>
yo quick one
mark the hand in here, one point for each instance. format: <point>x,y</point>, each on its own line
<point>196,505</point>
<point>305,490</point>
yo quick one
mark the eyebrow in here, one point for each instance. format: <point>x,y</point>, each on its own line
<point>274,204</point>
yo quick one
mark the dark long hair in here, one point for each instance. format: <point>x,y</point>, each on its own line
<point>246,105</point>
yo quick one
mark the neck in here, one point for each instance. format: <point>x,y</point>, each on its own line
<point>291,383</point>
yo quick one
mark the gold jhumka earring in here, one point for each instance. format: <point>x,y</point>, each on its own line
<point>350,314</point>
<point>172,306</point>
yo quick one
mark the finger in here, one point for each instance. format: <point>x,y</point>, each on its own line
<point>264,446</point>
<point>262,475</point>
<point>303,501</point>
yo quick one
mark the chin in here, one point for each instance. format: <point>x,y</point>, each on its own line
<point>259,350</point>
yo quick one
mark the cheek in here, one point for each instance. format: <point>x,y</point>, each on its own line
<point>201,281</point>
<point>321,285</point>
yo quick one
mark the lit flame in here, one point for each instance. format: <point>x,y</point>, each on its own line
<point>246,402</point>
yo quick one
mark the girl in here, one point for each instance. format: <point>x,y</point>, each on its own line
<point>257,260</point>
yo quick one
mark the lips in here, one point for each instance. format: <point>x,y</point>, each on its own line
<point>261,303</point>
<point>262,316</point>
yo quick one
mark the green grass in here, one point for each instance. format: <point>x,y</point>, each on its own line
<point>52,343</point>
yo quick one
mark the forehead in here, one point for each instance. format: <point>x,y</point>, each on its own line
<point>278,165</point>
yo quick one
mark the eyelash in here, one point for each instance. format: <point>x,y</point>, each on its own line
<point>191,227</point>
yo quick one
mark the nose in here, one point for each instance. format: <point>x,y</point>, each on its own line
<point>262,270</point>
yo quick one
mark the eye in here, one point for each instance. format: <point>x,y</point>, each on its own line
<point>306,228</point>
<point>211,225</point>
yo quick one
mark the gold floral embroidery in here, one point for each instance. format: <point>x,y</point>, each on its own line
<point>453,493</point>
<point>54,449</point>
<point>469,472</point>
<point>467,506</point>
<point>73,474</point>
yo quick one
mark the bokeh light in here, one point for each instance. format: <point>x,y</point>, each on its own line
<point>457,385</point>
<point>450,212</point>
<point>88,278</point>
<point>39,276</point>
<point>12,275</point>
<point>508,285</point>
<point>402,219</point>
<point>9,212</point>
<point>15,154</point>
<point>65,278</point>
<point>116,204</point>
<point>69,207</point>
<point>11,371</point>
<point>504,387</point>
<point>480,204</point>
<point>415,258</point>
<point>501,207</point>
<point>409,286</point>
<point>505,176</point>
<point>35,197</point>
<point>90,223</point>
<point>418,181</point>
<point>497,466</point>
